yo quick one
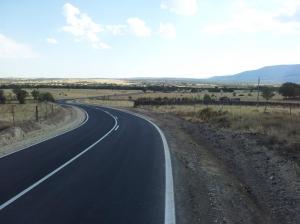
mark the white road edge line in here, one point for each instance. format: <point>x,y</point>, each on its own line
<point>117,128</point>
<point>2,206</point>
<point>170,217</point>
<point>44,140</point>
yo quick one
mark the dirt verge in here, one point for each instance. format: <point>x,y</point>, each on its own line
<point>30,132</point>
<point>223,176</point>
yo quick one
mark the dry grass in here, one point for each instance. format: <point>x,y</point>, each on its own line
<point>79,93</point>
<point>276,122</point>
<point>24,112</point>
<point>243,95</point>
<point>110,103</point>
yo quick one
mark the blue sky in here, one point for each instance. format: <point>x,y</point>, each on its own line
<point>168,38</point>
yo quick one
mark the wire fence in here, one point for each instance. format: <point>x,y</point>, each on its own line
<point>12,114</point>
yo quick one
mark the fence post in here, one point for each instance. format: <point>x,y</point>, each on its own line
<point>13,114</point>
<point>46,115</point>
<point>36,113</point>
<point>52,108</point>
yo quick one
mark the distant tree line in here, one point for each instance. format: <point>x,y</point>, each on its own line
<point>206,101</point>
<point>288,90</point>
<point>154,88</point>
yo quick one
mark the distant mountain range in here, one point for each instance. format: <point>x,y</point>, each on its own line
<point>268,75</point>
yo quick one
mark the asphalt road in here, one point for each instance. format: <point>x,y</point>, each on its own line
<point>112,169</point>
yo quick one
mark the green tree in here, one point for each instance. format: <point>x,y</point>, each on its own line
<point>2,97</point>
<point>20,94</point>
<point>35,94</point>
<point>46,97</point>
<point>290,90</point>
<point>267,94</point>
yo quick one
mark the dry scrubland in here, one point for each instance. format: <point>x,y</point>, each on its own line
<point>82,93</point>
<point>276,122</point>
<point>245,95</point>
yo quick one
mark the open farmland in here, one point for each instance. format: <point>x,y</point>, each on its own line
<point>243,95</point>
<point>64,93</point>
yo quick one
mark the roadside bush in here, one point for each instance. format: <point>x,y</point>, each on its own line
<point>48,97</point>
<point>209,114</point>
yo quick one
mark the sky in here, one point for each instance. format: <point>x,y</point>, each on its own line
<point>142,38</point>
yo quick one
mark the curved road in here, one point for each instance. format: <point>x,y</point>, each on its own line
<point>112,169</point>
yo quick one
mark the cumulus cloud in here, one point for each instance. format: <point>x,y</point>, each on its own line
<point>11,49</point>
<point>181,7</point>
<point>167,30</point>
<point>249,19</point>
<point>51,40</point>
<point>82,26</point>
<point>138,27</point>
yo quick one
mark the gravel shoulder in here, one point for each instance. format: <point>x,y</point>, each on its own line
<point>29,133</point>
<point>223,176</point>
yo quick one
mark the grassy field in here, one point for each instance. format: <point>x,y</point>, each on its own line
<point>18,113</point>
<point>78,93</point>
<point>243,95</point>
<point>276,122</point>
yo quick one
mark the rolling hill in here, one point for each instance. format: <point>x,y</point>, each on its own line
<point>269,75</point>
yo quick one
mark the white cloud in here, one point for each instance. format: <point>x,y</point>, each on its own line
<point>138,27</point>
<point>167,30</point>
<point>11,49</point>
<point>249,19</point>
<point>116,30</point>
<point>82,26</point>
<point>51,40</point>
<point>181,7</point>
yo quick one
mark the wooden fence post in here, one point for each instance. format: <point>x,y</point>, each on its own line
<point>46,115</point>
<point>36,113</point>
<point>13,114</point>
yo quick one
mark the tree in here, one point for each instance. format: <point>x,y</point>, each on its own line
<point>35,94</point>
<point>46,97</point>
<point>2,97</point>
<point>290,90</point>
<point>267,94</point>
<point>20,94</point>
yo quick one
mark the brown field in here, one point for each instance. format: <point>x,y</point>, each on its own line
<point>109,103</point>
<point>24,112</point>
<point>275,122</point>
<point>243,95</point>
<point>79,93</point>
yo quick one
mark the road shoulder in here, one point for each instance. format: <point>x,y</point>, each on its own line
<point>226,177</point>
<point>15,139</point>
